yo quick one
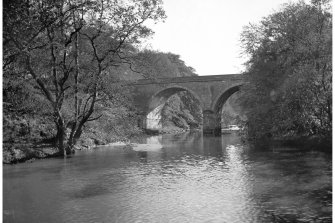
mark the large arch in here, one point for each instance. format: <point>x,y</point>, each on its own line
<point>221,99</point>
<point>212,118</point>
<point>157,102</point>
<point>163,95</point>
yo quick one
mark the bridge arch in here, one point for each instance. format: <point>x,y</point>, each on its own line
<point>221,98</point>
<point>157,102</point>
<point>212,118</point>
<point>163,95</point>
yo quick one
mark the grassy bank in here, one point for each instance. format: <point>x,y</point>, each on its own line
<point>29,137</point>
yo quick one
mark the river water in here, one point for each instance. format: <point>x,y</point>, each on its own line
<point>179,178</point>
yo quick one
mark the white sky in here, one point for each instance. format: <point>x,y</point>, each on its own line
<point>205,33</point>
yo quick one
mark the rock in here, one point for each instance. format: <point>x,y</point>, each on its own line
<point>98,141</point>
<point>77,147</point>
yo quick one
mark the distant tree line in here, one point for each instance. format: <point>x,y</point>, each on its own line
<point>289,72</point>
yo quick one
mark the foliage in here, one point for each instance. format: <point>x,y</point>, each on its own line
<point>159,64</point>
<point>65,48</point>
<point>289,72</point>
<point>182,110</point>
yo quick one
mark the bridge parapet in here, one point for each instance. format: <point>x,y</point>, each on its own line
<point>189,79</point>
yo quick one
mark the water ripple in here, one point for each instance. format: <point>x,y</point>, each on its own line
<point>206,179</point>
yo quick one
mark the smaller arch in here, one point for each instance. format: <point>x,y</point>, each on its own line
<point>221,99</point>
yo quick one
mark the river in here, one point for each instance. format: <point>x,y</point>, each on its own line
<point>182,178</point>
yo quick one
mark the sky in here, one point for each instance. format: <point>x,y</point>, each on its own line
<point>206,33</point>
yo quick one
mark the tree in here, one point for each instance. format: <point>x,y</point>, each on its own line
<point>159,64</point>
<point>67,46</point>
<point>289,72</point>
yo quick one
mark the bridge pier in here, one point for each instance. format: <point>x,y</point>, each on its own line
<point>142,121</point>
<point>211,123</point>
<point>152,122</point>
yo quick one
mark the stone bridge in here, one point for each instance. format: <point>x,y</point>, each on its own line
<point>211,93</point>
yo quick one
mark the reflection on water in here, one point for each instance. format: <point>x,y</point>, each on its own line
<point>187,178</point>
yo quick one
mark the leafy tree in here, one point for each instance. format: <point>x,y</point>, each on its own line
<point>67,47</point>
<point>289,72</point>
<point>156,64</point>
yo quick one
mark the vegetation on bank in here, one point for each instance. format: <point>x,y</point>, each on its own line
<point>289,73</point>
<point>63,52</point>
<point>61,59</point>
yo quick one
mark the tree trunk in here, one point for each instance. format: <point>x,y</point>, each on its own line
<point>60,138</point>
<point>76,75</point>
<point>76,131</point>
<point>77,134</point>
<point>70,141</point>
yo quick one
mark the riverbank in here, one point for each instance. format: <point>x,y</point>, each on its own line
<point>27,150</point>
<point>24,150</point>
<point>308,143</point>
<point>17,152</point>
<point>27,137</point>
